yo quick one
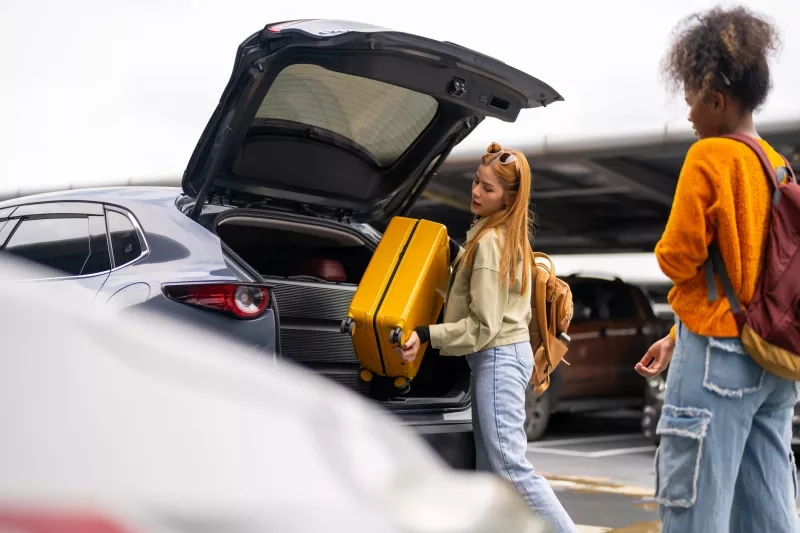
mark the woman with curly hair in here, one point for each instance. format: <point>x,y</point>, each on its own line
<point>725,461</point>
<point>486,318</point>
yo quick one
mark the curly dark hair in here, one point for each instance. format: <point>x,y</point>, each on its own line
<point>723,49</point>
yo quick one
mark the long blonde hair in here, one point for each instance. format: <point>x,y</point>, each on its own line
<point>514,177</point>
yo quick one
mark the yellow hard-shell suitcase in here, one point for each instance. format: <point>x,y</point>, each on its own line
<point>403,287</point>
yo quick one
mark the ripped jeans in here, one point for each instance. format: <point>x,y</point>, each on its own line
<point>499,379</point>
<point>724,463</point>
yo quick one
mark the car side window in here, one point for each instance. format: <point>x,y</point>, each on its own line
<point>621,303</point>
<point>585,303</point>
<point>125,244</point>
<point>61,243</point>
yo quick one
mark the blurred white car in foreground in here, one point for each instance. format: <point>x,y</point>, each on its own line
<point>121,422</point>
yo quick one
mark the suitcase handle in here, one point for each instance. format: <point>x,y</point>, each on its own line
<point>347,326</point>
<point>396,335</point>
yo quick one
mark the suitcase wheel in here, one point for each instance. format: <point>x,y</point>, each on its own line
<point>365,375</point>
<point>402,385</point>
<point>347,326</point>
<point>395,336</point>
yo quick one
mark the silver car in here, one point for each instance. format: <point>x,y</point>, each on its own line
<point>324,129</point>
<point>137,423</point>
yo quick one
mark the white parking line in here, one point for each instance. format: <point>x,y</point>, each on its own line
<point>558,451</point>
<point>623,451</point>
<point>593,455</point>
<point>561,446</point>
<point>586,440</point>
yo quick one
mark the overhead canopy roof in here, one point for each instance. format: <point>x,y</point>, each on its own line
<point>602,195</point>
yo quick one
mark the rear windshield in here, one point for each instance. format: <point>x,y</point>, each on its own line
<point>379,118</point>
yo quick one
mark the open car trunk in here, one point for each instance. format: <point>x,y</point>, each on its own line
<point>314,267</point>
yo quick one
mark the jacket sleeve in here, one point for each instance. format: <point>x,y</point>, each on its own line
<point>487,302</point>
<point>455,251</point>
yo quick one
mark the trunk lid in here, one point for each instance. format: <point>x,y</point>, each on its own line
<point>346,119</point>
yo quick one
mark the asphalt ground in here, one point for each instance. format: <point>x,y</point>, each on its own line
<point>601,468</point>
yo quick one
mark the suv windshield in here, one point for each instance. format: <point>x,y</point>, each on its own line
<point>380,119</point>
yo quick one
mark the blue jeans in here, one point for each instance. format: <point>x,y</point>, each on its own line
<point>499,379</point>
<point>725,461</point>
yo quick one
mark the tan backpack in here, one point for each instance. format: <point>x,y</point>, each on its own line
<point>551,312</point>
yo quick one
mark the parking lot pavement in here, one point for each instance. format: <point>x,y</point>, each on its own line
<point>601,468</point>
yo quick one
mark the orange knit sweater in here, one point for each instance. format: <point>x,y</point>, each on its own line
<point>722,194</point>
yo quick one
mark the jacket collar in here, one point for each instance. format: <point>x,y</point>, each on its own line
<point>476,227</point>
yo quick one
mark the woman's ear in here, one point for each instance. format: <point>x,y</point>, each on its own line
<point>509,199</point>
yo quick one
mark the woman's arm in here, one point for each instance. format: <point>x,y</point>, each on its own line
<point>683,248</point>
<point>485,317</point>
<point>455,251</point>
<point>487,302</point>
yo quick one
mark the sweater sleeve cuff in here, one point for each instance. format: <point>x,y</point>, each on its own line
<point>672,332</point>
<point>424,333</point>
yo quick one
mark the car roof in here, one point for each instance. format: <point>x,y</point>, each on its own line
<point>122,196</point>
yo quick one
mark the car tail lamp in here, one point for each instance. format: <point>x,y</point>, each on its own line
<point>46,521</point>
<point>238,300</point>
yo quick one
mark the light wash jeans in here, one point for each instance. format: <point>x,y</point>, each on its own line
<point>725,462</point>
<point>499,379</point>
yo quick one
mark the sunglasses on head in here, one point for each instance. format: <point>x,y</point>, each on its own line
<point>504,157</point>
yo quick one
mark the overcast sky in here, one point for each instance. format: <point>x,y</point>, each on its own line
<point>106,89</point>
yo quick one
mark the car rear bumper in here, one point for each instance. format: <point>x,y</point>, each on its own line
<point>448,433</point>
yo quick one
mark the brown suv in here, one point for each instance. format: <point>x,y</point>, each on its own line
<point>612,327</point>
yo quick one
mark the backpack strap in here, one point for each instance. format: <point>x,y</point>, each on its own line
<point>714,263</point>
<point>762,156</point>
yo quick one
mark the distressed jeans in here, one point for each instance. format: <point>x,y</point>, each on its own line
<point>724,463</point>
<point>499,379</point>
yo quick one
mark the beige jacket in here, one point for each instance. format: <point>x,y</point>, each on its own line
<point>481,311</point>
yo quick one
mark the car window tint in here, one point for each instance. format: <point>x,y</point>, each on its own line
<point>58,243</point>
<point>99,259</point>
<point>621,304</point>
<point>377,117</point>
<point>125,244</point>
<point>585,303</point>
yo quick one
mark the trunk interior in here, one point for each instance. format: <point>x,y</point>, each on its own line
<point>314,271</point>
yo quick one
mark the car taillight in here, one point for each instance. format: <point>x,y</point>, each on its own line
<point>45,521</point>
<point>242,301</point>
